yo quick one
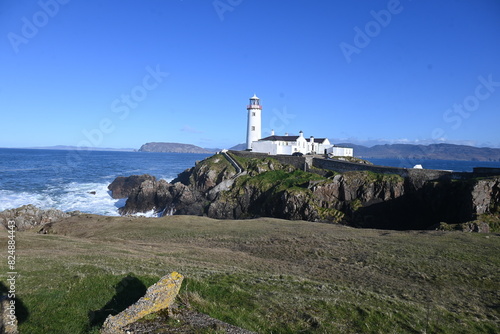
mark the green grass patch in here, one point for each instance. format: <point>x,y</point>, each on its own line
<point>374,177</point>
<point>78,303</point>
<point>282,180</point>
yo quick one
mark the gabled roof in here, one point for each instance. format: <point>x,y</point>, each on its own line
<point>280,138</point>
<point>291,138</point>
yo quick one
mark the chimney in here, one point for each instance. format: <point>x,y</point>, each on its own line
<point>311,139</point>
<point>286,133</point>
<point>301,134</point>
<point>272,132</point>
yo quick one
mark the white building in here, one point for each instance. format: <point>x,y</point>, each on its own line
<point>338,151</point>
<point>285,145</point>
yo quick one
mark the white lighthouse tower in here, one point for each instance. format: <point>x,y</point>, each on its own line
<point>254,129</point>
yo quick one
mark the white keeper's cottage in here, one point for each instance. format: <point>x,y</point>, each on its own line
<point>285,145</point>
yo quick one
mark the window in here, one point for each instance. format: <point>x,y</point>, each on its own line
<point>253,128</point>
<point>253,113</point>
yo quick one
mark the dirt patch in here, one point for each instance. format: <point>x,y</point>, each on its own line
<point>184,321</point>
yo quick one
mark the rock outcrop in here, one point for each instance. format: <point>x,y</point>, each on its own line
<point>8,320</point>
<point>158,297</point>
<point>122,186</point>
<point>29,216</point>
<point>271,188</point>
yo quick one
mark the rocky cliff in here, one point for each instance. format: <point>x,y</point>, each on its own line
<point>271,188</point>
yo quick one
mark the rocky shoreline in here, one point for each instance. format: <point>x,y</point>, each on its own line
<point>29,217</point>
<point>241,188</point>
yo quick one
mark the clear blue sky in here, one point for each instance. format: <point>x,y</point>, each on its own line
<point>74,72</point>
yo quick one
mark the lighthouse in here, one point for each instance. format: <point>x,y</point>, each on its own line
<point>254,129</point>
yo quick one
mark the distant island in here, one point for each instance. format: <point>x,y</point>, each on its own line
<point>173,148</point>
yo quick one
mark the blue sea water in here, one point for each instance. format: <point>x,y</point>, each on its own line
<point>64,180</point>
<point>453,165</point>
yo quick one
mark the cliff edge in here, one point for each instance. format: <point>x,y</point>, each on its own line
<point>271,188</point>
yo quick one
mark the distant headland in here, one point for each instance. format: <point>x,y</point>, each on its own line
<point>173,148</point>
<point>427,152</point>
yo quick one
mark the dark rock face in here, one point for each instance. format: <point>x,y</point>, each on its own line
<point>164,198</point>
<point>187,195</point>
<point>122,186</point>
<point>273,189</point>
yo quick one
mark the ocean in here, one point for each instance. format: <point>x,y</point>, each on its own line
<point>67,180</point>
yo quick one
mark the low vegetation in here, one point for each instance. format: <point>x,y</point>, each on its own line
<point>265,275</point>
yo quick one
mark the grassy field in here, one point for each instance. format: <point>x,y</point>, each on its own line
<point>265,275</point>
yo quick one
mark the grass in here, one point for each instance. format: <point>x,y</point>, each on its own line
<point>282,180</point>
<point>266,275</point>
<point>374,177</point>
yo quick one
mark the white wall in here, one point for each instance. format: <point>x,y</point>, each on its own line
<point>253,122</point>
<point>341,151</point>
<point>275,147</point>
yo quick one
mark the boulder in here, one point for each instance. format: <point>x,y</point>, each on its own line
<point>486,195</point>
<point>8,320</point>
<point>123,186</point>
<point>476,226</point>
<point>159,296</point>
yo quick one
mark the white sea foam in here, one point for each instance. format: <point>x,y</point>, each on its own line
<point>68,197</point>
<point>168,179</point>
<point>10,199</point>
<point>151,213</point>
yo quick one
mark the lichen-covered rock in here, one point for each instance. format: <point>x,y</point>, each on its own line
<point>159,296</point>
<point>8,318</point>
<point>486,196</point>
